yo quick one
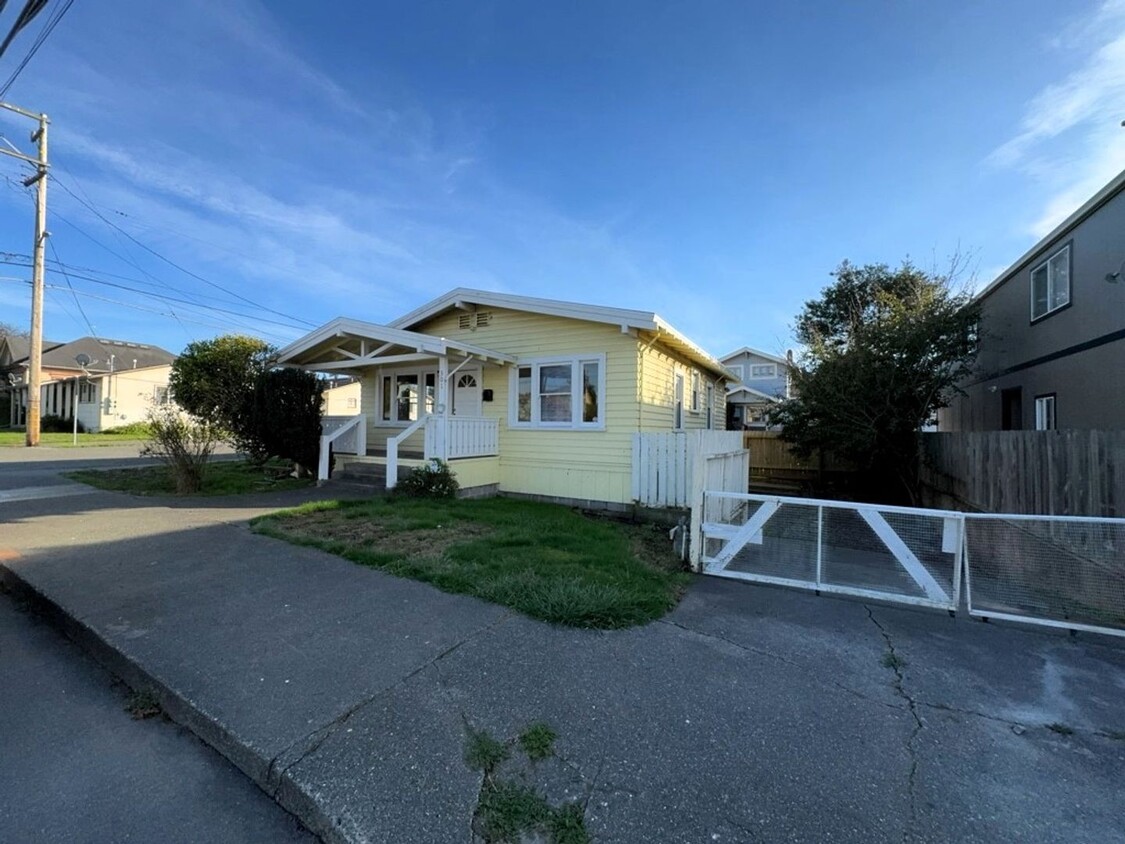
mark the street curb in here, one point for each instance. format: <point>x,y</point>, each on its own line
<point>255,764</point>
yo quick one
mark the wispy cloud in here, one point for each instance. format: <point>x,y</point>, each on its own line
<point>253,167</point>
<point>1070,139</point>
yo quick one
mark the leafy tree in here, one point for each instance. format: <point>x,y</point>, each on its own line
<point>214,381</point>
<point>884,349</point>
<point>286,415</point>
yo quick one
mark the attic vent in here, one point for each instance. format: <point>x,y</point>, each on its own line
<point>483,318</point>
<point>465,321</point>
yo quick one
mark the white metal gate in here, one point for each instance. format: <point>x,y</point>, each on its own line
<point>1055,571</point>
<point>890,553</point>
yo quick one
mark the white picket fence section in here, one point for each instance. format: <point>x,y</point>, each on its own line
<point>461,436</point>
<point>665,464</point>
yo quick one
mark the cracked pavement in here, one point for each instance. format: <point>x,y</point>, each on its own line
<point>748,714</point>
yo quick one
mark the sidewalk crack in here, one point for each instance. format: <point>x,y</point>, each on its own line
<point>783,660</point>
<point>315,739</point>
<point>895,664</point>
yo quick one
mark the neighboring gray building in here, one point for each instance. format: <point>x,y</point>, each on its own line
<point>763,382</point>
<point>1052,348</point>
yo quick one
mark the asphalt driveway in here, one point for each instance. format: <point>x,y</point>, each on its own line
<point>747,714</point>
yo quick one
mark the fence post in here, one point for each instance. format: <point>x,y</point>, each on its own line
<point>698,476</point>
<point>819,546</point>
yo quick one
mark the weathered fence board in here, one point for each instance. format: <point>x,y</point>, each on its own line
<point>1067,473</point>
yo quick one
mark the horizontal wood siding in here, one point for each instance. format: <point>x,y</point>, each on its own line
<point>657,392</point>
<point>587,465</point>
<point>1075,473</point>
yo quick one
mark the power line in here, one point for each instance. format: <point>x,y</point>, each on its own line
<point>172,263</point>
<point>215,325</point>
<point>48,28</point>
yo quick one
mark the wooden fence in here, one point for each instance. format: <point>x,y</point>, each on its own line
<point>1071,473</point>
<point>665,464</point>
<point>774,468</point>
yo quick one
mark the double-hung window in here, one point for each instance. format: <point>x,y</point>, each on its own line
<point>695,397</point>
<point>1050,284</point>
<point>559,393</point>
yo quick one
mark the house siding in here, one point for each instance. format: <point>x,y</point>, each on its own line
<point>770,386</point>
<point>586,465</point>
<point>1076,353</point>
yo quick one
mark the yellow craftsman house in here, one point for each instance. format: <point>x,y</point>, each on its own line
<point>520,395</point>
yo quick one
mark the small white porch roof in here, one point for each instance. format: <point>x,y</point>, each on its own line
<point>349,344</point>
<point>741,394</point>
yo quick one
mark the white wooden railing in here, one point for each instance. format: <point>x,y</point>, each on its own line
<point>461,436</point>
<point>345,434</point>
<point>392,448</point>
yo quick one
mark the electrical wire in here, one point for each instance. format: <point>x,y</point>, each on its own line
<point>48,28</point>
<point>172,263</point>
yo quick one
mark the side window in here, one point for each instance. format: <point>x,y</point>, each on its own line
<point>1050,284</point>
<point>678,407</point>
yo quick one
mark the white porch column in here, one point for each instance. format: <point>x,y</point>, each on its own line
<point>443,403</point>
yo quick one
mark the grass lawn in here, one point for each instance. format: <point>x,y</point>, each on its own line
<point>224,477</point>
<point>18,438</point>
<point>545,560</point>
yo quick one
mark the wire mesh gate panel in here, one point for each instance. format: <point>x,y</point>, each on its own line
<point>901,554</point>
<point>1059,571</point>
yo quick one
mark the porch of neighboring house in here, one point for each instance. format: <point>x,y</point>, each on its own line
<point>421,398</point>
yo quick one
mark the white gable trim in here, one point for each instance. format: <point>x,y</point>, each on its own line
<point>746,350</point>
<point>751,393</point>
<point>464,298</point>
<point>424,345</point>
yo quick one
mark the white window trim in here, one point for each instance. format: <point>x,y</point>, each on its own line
<point>1050,283</point>
<point>576,423</point>
<point>696,399</point>
<point>709,402</point>
<point>772,367</point>
<point>393,374</point>
<point>678,387</point>
<point>1041,405</point>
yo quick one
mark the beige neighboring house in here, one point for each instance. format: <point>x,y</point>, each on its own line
<point>521,395</point>
<point>342,399</point>
<point>116,387</point>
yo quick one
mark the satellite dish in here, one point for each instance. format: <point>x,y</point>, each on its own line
<point>82,359</point>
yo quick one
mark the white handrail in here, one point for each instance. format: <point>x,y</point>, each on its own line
<point>392,448</point>
<point>357,423</point>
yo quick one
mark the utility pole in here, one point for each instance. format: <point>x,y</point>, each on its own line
<point>39,179</point>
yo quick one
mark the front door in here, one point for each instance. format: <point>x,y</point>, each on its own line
<point>466,394</point>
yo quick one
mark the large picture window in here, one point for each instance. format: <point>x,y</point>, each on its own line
<point>559,393</point>
<point>1050,284</point>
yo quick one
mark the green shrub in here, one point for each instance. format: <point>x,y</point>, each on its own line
<point>434,480</point>
<point>51,424</point>
<point>183,443</point>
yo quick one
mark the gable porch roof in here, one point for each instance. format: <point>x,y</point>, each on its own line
<point>749,395</point>
<point>351,344</point>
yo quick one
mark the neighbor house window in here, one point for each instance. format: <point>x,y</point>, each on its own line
<point>1050,284</point>
<point>160,394</point>
<point>87,391</point>
<point>695,392</point>
<point>1045,413</point>
<point>559,393</point>
<point>763,370</point>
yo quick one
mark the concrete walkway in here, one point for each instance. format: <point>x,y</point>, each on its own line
<point>748,714</point>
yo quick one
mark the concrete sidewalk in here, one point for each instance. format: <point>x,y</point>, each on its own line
<point>748,714</point>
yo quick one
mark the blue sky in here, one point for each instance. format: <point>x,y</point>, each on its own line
<point>710,161</point>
